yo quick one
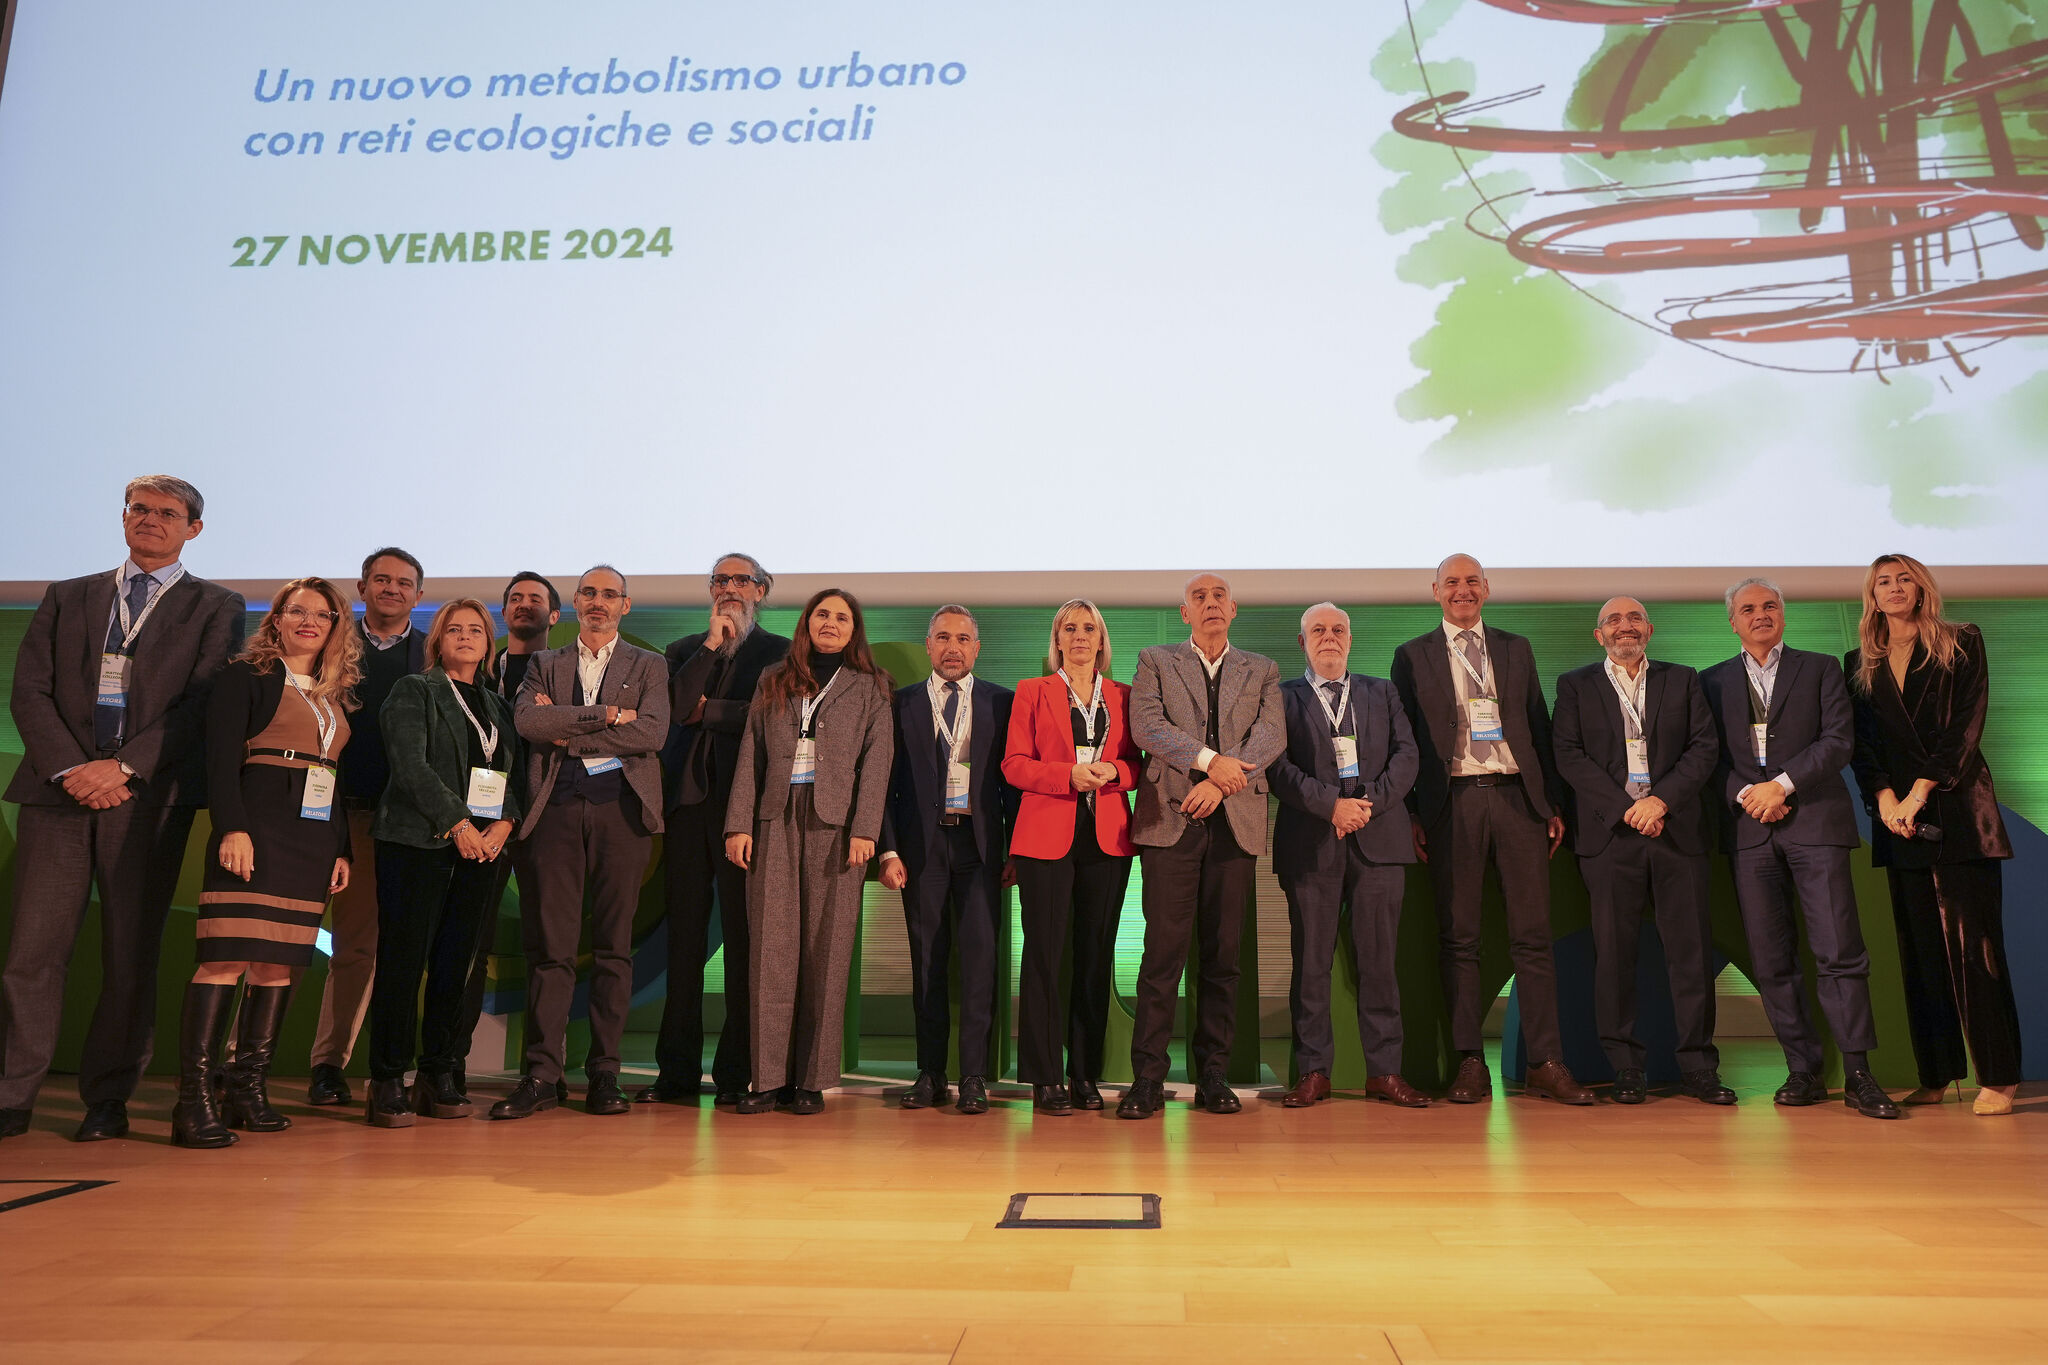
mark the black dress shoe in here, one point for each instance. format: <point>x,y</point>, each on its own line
<point>107,1119</point>
<point>1051,1099</point>
<point>1705,1086</point>
<point>757,1102</point>
<point>603,1096</point>
<point>435,1093</point>
<point>388,1105</point>
<point>927,1090</point>
<point>667,1092</point>
<point>13,1122</point>
<point>1861,1092</point>
<point>729,1097</point>
<point>1083,1093</point>
<point>1801,1088</point>
<point>328,1086</point>
<point>561,1092</point>
<point>1630,1086</point>
<point>973,1095</point>
<point>1141,1101</point>
<point>1214,1094</point>
<point>807,1102</point>
<point>529,1097</point>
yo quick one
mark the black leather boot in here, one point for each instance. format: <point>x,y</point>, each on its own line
<point>389,1106</point>
<point>248,1097</point>
<point>202,1038</point>
<point>435,1093</point>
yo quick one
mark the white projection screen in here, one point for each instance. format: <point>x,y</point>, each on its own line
<point>1059,295</point>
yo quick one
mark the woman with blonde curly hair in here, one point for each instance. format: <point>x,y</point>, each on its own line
<point>276,721</point>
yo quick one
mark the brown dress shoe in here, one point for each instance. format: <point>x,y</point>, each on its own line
<point>1553,1081</point>
<point>1310,1088</point>
<point>1472,1084</point>
<point>1392,1089</point>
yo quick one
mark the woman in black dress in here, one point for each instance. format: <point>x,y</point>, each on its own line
<point>1921,686</point>
<point>275,723</point>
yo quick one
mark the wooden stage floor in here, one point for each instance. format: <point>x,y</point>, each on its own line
<point>1514,1231</point>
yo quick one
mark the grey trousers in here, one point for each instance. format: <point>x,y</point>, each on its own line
<point>1314,907</point>
<point>352,970</point>
<point>133,852</point>
<point>577,845</point>
<point>803,905</point>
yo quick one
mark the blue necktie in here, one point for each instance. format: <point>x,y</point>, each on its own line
<point>107,721</point>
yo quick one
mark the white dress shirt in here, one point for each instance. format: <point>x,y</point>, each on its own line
<point>1463,764</point>
<point>1212,667</point>
<point>1764,678</point>
<point>590,667</point>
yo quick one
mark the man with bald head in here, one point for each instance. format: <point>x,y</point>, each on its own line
<point>1208,718</point>
<point>1636,741</point>
<point>1486,790</point>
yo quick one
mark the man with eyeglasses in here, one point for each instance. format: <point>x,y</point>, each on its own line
<point>110,688</point>
<point>593,714</point>
<point>711,682</point>
<point>390,588</point>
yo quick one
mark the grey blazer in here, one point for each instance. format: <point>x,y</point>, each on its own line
<point>856,735</point>
<point>1169,711</point>
<point>189,638</point>
<point>636,679</point>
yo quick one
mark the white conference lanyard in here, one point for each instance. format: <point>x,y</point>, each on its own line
<point>1760,731</point>
<point>1094,720</point>
<point>1633,704</point>
<point>957,774</point>
<point>804,766</point>
<point>113,684</point>
<point>608,763</point>
<point>1483,709</point>
<point>486,799</point>
<point>1346,745</point>
<point>318,802</point>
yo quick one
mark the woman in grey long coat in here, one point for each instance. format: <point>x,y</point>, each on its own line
<point>806,809</point>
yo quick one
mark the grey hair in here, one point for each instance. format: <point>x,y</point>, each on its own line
<point>607,568</point>
<point>170,486</point>
<point>1728,598</point>
<point>767,579</point>
<point>952,609</point>
<point>1324,606</point>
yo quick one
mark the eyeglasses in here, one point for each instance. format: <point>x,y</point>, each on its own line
<point>143,512</point>
<point>599,594</point>
<point>734,580</point>
<point>299,616</point>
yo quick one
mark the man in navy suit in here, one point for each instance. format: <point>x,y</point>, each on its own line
<point>1786,731</point>
<point>1342,840</point>
<point>945,841</point>
<point>1635,740</point>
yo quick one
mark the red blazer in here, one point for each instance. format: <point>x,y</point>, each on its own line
<point>1040,764</point>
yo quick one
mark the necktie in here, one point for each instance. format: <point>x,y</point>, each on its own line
<point>1334,691</point>
<point>1475,654</point>
<point>108,722</point>
<point>951,711</point>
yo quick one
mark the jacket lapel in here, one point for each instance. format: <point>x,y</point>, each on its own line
<point>1501,661</point>
<point>917,720</point>
<point>99,607</point>
<point>978,740</point>
<point>1790,665</point>
<point>1195,677</point>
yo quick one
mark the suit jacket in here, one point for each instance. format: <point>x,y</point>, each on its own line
<point>711,747</point>
<point>1931,729</point>
<point>1592,754</point>
<point>1039,763</point>
<point>426,747</point>
<point>1169,713</point>
<point>856,737</point>
<point>1422,675</point>
<point>635,679</point>
<point>1306,783</point>
<point>193,632</point>
<point>1811,738</point>
<point>917,789</point>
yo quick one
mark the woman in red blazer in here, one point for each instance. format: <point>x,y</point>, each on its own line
<point>1071,756</point>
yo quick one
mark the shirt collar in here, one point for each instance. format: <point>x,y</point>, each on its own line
<point>1770,660</point>
<point>936,685</point>
<point>1212,669</point>
<point>129,568</point>
<point>387,641</point>
<point>1452,632</point>
<point>1620,678</point>
<point>1316,680</point>
<point>585,654</point>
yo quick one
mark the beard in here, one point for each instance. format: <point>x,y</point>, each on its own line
<point>743,622</point>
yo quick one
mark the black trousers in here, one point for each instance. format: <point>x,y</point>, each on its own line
<point>1630,876</point>
<point>1315,905</point>
<point>1196,889</point>
<point>1496,824</point>
<point>132,853</point>
<point>1958,988</point>
<point>698,880</point>
<point>954,897</point>
<point>1766,877</point>
<point>1081,895</point>
<point>433,907</point>
<point>577,846</point>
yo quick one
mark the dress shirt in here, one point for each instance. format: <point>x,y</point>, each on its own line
<point>382,642</point>
<point>1500,760</point>
<point>158,578</point>
<point>1212,667</point>
<point>1764,678</point>
<point>590,667</point>
<point>963,726</point>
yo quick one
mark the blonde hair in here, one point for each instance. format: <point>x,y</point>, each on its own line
<point>1874,631</point>
<point>485,670</point>
<point>339,666</point>
<point>1059,618</point>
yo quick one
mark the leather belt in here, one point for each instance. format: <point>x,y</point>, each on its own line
<point>950,820</point>
<point>294,755</point>
<point>1487,780</point>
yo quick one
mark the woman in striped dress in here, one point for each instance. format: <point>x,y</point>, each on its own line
<point>275,723</point>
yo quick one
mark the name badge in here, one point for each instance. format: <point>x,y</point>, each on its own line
<point>956,788</point>
<point>487,793</point>
<point>1087,753</point>
<point>1639,761</point>
<point>608,764</point>
<point>1347,755</point>
<point>318,802</point>
<point>1484,715</point>
<point>113,686</point>
<point>804,767</point>
<point>1760,742</point>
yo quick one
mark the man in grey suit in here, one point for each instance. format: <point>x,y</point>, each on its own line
<point>1341,840</point>
<point>1208,718</point>
<point>109,697</point>
<point>594,714</point>
<point>1786,732</point>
